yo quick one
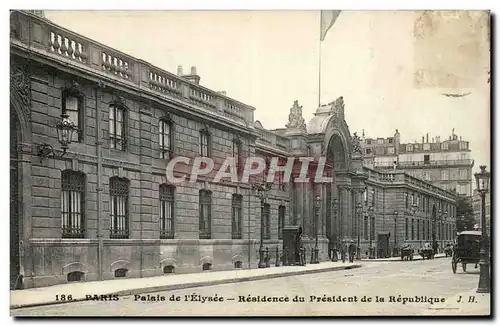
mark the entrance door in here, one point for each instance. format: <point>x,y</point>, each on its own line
<point>14,204</point>
<point>383,245</point>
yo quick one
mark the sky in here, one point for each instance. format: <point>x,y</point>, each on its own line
<point>269,59</point>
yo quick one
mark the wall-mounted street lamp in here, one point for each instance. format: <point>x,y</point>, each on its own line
<point>65,129</point>
<point>317,204</point>
<point>483,181</point>
<point>261,191</point>
<point>372,225</point>
<point>359,211</point>
<point>395,249</point>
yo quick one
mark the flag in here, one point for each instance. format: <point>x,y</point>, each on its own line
<point>328,18</point>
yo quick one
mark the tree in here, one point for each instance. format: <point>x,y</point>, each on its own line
<point>465,214</point>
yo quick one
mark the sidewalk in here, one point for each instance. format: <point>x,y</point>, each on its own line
<point>415,257</point>
<point>130,286</point>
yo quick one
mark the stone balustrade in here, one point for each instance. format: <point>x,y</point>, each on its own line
<point>45,36</point>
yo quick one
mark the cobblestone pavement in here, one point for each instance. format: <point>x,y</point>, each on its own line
<point>430,278</point>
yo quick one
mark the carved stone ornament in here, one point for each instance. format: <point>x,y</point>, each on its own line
<point>356,144</point>
<point>20,85</point>
<point>337,108</point>
<point>295,119</point>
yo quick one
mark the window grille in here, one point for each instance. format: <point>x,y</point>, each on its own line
<point>166,138</point>
<point>119,192</point>
<point>167,195</point>
<point>72,204</point>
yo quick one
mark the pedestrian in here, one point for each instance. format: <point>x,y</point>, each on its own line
<point>352,251</point>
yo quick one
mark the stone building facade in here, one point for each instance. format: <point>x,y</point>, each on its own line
<point>445,163</point>
<point>104,208</point>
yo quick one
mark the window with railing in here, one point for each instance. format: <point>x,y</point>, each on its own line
<point>72,103</point>
<point>72,204</point>
<point>117,127</point>
<point>237,156</point>
<point>266,216</point>
<point>119,192</point>
<point>281,221</point>
<point>166,138</point>
<point>205,214</point>
<point>205,139</point>
<point>237,218</point>
<point>167,198</point>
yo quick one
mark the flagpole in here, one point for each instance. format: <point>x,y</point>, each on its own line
<point>319,66</point>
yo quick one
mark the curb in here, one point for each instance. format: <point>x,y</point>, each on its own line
<point>181,286</point>
<point>399,260</point>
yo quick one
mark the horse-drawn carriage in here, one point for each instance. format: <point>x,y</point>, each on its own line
<point>427,252</point>
<point>406,252</point>
<point>466,250</point>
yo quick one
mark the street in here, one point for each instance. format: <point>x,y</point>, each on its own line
<point>341,293</point>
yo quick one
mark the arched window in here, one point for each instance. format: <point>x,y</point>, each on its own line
<point>167,196</point>
<point>117,127</point>
<point>119,191</point>
<point>165,130</point>
<point>72,204</point>
<point>206,267</point>
<point>205,214</point>
<point>237,264</point>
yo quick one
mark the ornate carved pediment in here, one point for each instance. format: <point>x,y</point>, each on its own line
<point>295,119</point>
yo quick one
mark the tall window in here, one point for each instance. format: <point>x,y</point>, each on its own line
<point>412,229</point>
<point>72,101</point>
<point>372,228</point>
<point>406,200</point>
<point>418,229</point>
<point>205,143</point>
<point>444,146</point>
<point>205,214</point>
<point>444,175</point>
<point>167,196</point>
<point>428,230</point>
<point>119,191</point>
<point>281,221</point>
<point>236,221</point>
<point>116,127</point>
<point>373,198</point>
<point>166,138</point>
<point>366,228</point>
<point>72,204</point>
<point>237,155</point>
<point>406,228</point>
<point>266,227</point>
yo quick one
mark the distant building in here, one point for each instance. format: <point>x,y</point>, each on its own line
<point>444,163</point>
<point>476,207</point>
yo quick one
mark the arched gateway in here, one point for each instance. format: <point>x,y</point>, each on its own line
<point>327,135</point>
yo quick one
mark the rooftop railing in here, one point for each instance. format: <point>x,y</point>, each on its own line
<point>46,38</point>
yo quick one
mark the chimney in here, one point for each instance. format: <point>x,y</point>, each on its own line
<point>427,138</point>
<point>179,71</point>
<point>193,77</point>
<point>422,139</point>
<point>433,140</point>
<point>460,138</point>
